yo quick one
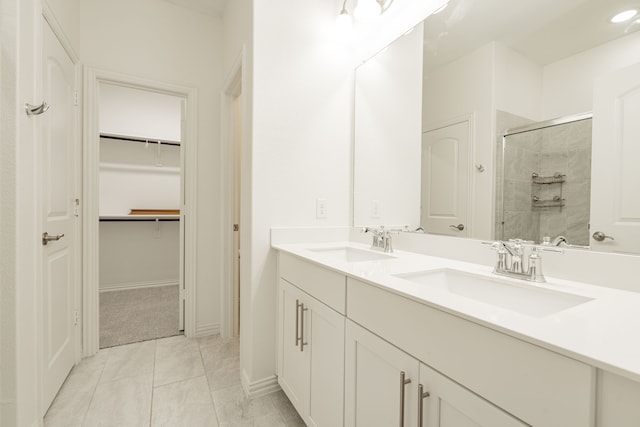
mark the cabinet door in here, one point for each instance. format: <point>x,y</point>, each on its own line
<point>294,370</point>
<point>324,333</point>
<point>451,405</point>
<point>374,391</point>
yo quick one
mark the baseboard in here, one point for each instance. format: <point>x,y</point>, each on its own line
<point>138,285</point>
<point>206,330</point>
<point>260,387</point>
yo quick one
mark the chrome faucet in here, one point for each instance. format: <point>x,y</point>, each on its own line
<point>510,256</point>
<point>381,238</point>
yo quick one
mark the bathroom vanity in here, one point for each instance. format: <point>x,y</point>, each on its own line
<point>367,338</point>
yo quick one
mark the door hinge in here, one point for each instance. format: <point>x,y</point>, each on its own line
<point>76,208</point>
<point>76,100</point>
<point>236,227</point>
<point>76,317</point>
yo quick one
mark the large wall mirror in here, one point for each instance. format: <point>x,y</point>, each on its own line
<point>501,119</point>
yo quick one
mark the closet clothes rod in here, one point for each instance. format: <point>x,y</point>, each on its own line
<point>138,219</point>
<point>145,141</point>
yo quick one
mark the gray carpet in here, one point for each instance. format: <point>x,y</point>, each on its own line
<point>133,315</point>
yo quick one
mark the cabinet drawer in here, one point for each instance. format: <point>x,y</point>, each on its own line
<point>538,386</point>
<point>325,285</point>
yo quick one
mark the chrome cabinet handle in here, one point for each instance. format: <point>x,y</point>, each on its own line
<point>46,238</point>
<point>35,110</point>
<point>458,227</point>
<point>421,396</point>
<point>302,342</point>
<point>599,236</point>
<point>403,382</point>
<point>297,322</point>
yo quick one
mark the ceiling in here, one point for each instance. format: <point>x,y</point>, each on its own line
<point>208,7</point>
<point>543,30</point>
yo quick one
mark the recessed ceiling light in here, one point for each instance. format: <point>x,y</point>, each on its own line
<point>624,16</point>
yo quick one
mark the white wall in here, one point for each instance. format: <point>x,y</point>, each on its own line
<point>137,113</point>
<point>136,176</point>
<point>568,84</point>
<point>160,41</point>
<point>464,88</point>
<point>387,136</point>
<point>139,253</point>
<point>302,113</point>
<point>517,83</point>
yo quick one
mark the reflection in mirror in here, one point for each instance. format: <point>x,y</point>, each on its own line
<point>496,65</point>
<point>545,180</point>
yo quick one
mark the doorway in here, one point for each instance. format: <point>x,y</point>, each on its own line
<point>140,288</point>
<point>232,137</point>
<point>138,238</point>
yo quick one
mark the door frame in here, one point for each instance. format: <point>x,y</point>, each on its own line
<point>93,77</point>
<point>234,84</point>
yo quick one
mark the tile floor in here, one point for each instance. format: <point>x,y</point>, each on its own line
<point>166,382</point>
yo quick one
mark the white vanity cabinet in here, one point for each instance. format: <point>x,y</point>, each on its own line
<point>385,386</point>
<point>618,401</point>
<point>446,403</point>
<point>537,386</point>
<point>380,381</point>
<point>311,343</point>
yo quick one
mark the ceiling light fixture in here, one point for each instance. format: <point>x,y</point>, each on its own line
<point>624,16</point>
<point>365,11</point>
<point>344,22</point>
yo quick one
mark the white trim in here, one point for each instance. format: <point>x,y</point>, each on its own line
<point>234,81</point>
<point>207,330</point>
<point>92,78</point>
<point>138,285</point>
<point>261,387</point>
<point>50,17</point>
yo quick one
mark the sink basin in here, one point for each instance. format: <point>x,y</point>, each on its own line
<point>349,254</point>
<point>518,297</point>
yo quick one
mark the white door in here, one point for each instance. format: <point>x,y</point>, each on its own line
<point>445,180</point>
<point>448,404</point>
<point>59,221</point>
<point>615,179</point>
<point>375,394</point>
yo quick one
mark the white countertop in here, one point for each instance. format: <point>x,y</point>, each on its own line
<point>603,332</point>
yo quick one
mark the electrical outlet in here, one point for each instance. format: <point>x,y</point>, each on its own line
<point>375,209</point>
<point>321,208</point>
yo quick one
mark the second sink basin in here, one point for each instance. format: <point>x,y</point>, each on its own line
<point>350,254</point>
<point>522,298</point>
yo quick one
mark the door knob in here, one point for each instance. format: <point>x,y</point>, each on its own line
<point>599,236</point>
<point>458,227</point>
<point>46,238</point>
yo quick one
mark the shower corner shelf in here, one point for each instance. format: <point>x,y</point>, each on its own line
<point>556,202</point>
<point>557,178</point>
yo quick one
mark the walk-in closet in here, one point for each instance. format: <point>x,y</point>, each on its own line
<point>140,233</point>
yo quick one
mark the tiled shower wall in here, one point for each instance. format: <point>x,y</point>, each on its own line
<point>564,149</point>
